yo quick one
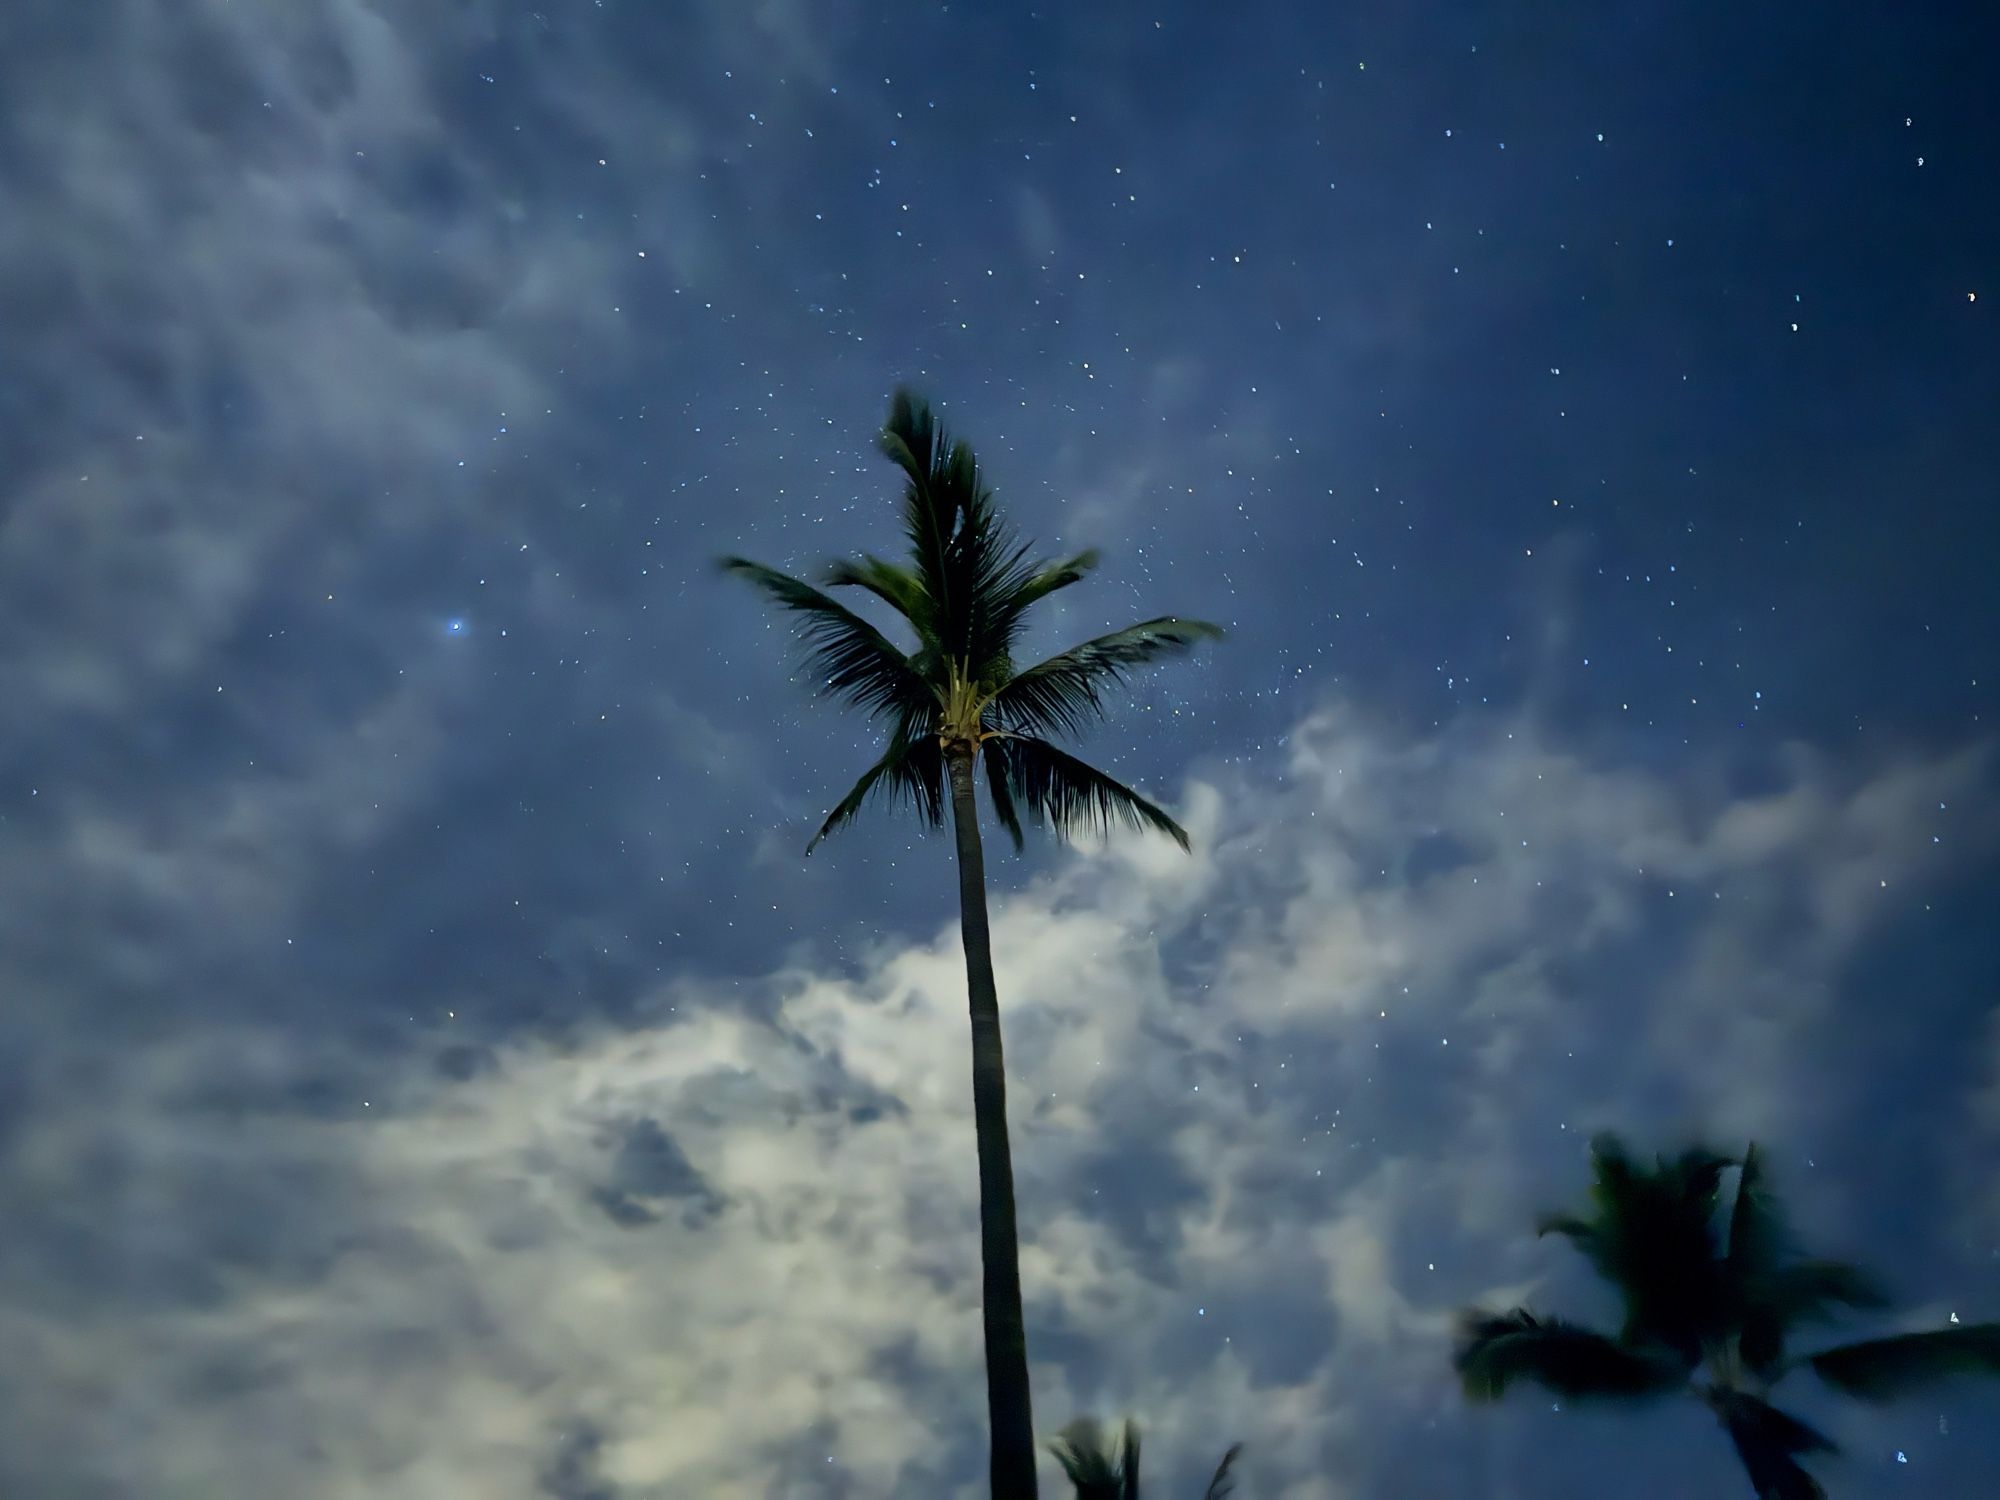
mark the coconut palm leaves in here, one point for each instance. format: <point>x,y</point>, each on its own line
<point>963,595</point>
<point>1065,694</point>
<point>1498,1349</point>
<point>1648,1235</point>
<point>1094,1470</point>
<point>1880,1368</point>
<point>852,661</point>
<point>1059,789</point>
<point>1768,1444</point>
<point>910,771</point>
<point>1712,1295</point>
<point>1097,1472</point>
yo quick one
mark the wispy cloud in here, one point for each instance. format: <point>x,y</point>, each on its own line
<point>276,305</point>
<point>1277,1109</point>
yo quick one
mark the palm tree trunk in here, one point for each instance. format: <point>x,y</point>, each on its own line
<point>1007,1408</point>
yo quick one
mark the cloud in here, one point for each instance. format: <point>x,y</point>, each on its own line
<point>309,303</point>
<point>1277,1109</point>
<point>272,296</point>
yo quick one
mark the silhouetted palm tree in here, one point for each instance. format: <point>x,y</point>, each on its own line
<point>1709,1309</point>
<point>1100,1474</point>
<point>955,699</point>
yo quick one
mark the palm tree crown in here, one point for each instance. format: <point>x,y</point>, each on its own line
<point>1098,1472</point>
<point>1712,1294</point>
<point>964,595</point>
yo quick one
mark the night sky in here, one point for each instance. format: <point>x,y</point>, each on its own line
<point>428,1066</point>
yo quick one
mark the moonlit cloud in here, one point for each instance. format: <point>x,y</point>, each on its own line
<point>705,1251</point>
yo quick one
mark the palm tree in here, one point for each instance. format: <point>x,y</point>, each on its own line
<point>952,701</point>
<point>1097,1473</point>
<point>1709,1308</point>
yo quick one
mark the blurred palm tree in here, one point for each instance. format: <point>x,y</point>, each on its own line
<point>1099,1473</point>
<point>1712,1294</point>
<point>952,701</point>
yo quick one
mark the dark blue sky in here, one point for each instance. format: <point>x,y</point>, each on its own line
<point>427,1065</point>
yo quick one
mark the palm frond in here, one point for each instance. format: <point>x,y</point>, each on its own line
<point>1497,1349</point>
<point>970,565</point>
<point>1092,1468</point>
<point>1222,1486</point>
<point>911,769</point>
<point>997,778</point>
<point>1757,1237</point>
<point>1814,1290</point>
<point>1757,1242</point>
<point>848,808</point>
<point>1881,1368</point>
<point>1651,1235</point>
<point>901,588</point>
<point>996,568</point>
<point>919,775</point>
<point>1700,1169</point>
<point>1047,577</point>
<point>852,661</point>
<point>979,552</point>
<point>1768,1441</point>
<point>1015,593</point>
<point>1806,1291</point>
<point>1774,1293</point>
<point>914,441</point>
<point>1065,693</point>
<point>1069,795</point>
<point>1578,1230</point>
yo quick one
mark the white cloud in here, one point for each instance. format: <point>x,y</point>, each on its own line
<point>260,334</point>
<point>1250,1200</point>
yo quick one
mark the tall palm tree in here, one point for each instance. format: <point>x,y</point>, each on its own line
<point>1098,1473</point>
<point>1712,1292</point>
<point>952,701</point>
